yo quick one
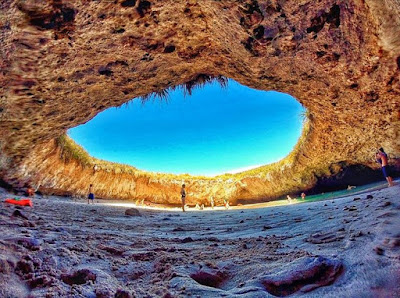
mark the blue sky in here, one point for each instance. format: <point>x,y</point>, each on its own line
<point>213,131</point>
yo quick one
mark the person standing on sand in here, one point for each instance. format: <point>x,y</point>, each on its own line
<point>226,203</point>
<point>91,195</point>
<point>183,197</point>
<point>382,158</point>
<point>289,198</point>
<point>303,196</point>
<point>30,191</point>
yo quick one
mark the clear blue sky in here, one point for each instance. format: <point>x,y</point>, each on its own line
<point>214,131</point>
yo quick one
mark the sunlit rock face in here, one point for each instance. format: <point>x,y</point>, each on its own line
<point>62,62</point>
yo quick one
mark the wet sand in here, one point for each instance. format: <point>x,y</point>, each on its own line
<point>344,247</point>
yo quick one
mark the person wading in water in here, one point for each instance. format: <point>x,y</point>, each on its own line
<point>183,196</point>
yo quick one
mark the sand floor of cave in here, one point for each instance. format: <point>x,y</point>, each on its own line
<point>158,252</point>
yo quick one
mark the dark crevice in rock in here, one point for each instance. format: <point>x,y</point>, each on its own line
<point>248,45</point>
<point>336,56</point>
<point>354,86</point>
<point>128,3</point>
<point>60,18</point>
<point>147,57</point>
<point>372,96</point>
<point>332,17</point>
<point>118,31</point>
<point>398,62</point>
<point>39,101</point>
<point>169,49</point>
<point>105,71</point>
<point>258,32</point>
<point>252,14</point>
<point>54,21</point>
<point>29,83</point>
<point>117,62</point>
<point>143,7</point>
<point>391,81</point>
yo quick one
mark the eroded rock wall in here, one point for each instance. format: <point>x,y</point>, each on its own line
<point>62,62</point>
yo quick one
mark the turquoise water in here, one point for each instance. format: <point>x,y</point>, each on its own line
<point>345,192</point>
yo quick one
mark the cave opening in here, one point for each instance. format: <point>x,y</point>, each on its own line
<point>213,130</point>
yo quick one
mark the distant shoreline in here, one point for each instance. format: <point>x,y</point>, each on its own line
<point>312,198</point>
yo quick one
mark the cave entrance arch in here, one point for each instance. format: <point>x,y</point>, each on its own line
<point>215,130</point>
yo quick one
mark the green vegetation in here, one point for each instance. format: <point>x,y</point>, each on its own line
<point>70,151</point>
<point>188,87</point>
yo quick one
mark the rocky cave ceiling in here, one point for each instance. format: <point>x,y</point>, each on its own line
<point>62,62</point>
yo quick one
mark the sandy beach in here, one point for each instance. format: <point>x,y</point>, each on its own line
<point>342,247</point>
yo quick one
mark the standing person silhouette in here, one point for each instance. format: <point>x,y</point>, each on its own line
<point>289,198</point>
<point>183,197</point>
<point>91,195</point>
<point>382,158</point>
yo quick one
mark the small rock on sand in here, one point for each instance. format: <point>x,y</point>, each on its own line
<point>122,294</point>
<point>28,242</point>
<point>24,267</point>
<point>379,251</point>
<point>6,265</point>
<point>78,277</point>
<point>304,275</point>
<point>209,277</point>
<point>132,212</point>
<point>187,240</point>
<point>18,213</point>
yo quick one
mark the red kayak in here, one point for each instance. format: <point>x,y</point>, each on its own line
<point>20,202</point>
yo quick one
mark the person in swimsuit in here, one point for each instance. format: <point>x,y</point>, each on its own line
<point>183,196</point>
<point>289,198</point>
<point>91,195</point>
<point>30,191</point>
<point>382,158</point>
<point>226,203</point>
<point>303,196</point>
